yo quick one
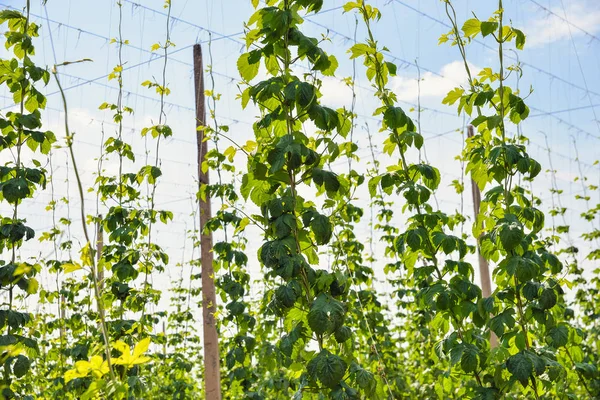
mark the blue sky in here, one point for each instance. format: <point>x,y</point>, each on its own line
<point>561,62</point>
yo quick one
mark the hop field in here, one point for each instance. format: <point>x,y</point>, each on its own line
<point>299,199</point>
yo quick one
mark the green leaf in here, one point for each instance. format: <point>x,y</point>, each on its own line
<point>588,370</point>
<point>523,268</point>
<point>471,27</point>
<point>248,65</point>
<point>443,301</point>
<point>279,155</point>
<point>21,366</point>
<point>124,270</point>
<point>391,68</point>
<point>488,27</point>
<point>430,175</point>
<point>359,49</point>
<point>328,368</point>
<point>412,137</point>
<point>373,185</point>
<point>351,5</point>
<point>14,319</point>
<point>394,117</point>
<point>15,189</point>
<point>286,295</point>
<point>547,299</point>
<point>332,66</point>
<point>487,304</point>
<point>531,290</point>
<point>342,334</point>
<point>456,353</point>
<point>552,261</point>
<point>326,314</point>
<point>31,121</point>
<point>493,121</point>
<point>236,308</point>
<point>521,367</point>
<point>520,41</point>
<point>10,14</point>
<point>511,234</point>
<point>452,96</point>
<point>321,227</point>
<point>328,178</point>
<point>558,336</point>
<point>469,359</point>
<point>284,225</point>
<point>487,393</point>
<point>414,239</point>
<point>500,322</point>
<point>7,340</point>
<point>305,94</point>
<point>478,120</point>
<point>324,118</point>
<point>365,380</point>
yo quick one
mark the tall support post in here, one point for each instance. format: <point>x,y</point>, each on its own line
<point>99,247</point>
<point>164,329</point>
<point>99,268</point>
<point>63,316</point>
<point>212,377</point>
<point>484,268</point>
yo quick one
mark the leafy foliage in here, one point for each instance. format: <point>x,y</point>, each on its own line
<point>318,327</point>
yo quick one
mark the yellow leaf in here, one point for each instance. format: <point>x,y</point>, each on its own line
<point>141,347</point>
<point>21,269</point>
<point>32,286</point>
<point>70,375</point>
<point>250,146</point>
<point>230,153</point>
<point>92,390</point>
<point>86,255</point>
<point>71,267</point>
<point>83,366</point>
<point>242,225</point>
<point>99,366</point>
<point>121,346</point>
<point>82,369</point>
<point>471,27</point>
<point>140,360</point>
<point>136,358</point>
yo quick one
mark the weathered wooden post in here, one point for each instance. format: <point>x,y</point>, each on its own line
<point>212,376</point>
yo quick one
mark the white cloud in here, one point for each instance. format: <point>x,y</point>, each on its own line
<point>335,92</point>
<point>549,28</point>
<point>433,86</point>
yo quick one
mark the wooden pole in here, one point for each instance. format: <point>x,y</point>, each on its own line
<point>484,268</point>
<point>63,316</point>
<point>99,268</point>
<point>99,247</point>
<point>212,376</point>
<point>164,326</point>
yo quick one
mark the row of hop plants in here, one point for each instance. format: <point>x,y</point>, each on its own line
<point>79,342</point>
<point>319,327</point>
